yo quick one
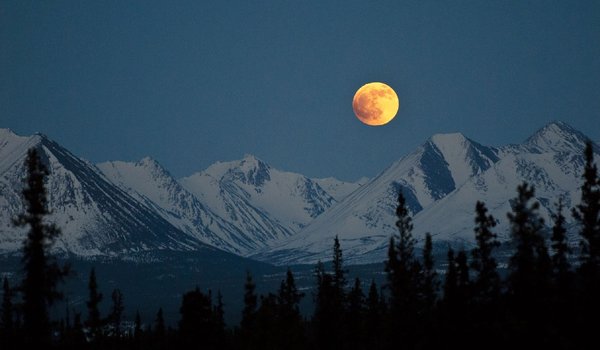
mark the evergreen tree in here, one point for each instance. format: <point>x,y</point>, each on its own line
<point>328,311</point>
<point>197,324</point>
<point>267,332</point>
<point>219,312</point>
<point>248,324</point>
<point>373,318</point>
<point>587,213</point>
<point>561,267</point>
<point>403,272</point>
<point>339,278</point>
<point>355,316</point>
<point>486,286</point>
<point>116,312</point>
<point>429,281</point>
<point>451,280</point>
<point>290,320</point>
<point>530,265</point>
<point>41,271</point>
<point>94,321</point>
<point>463,279</point>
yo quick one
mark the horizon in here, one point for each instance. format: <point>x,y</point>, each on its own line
<point>245,155</point>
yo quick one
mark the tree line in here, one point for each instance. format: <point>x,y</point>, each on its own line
<point>548,296</point>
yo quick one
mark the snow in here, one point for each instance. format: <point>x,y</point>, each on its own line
<point>252,209</point>
<point>551,160</point>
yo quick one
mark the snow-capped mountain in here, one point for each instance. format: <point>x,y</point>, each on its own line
<point>153,185</point>
<point>96,217</point>
<point>551,160</point>
<point>442,180</point>
<point>260,199</point>
<point>339,189</point>
<point>251,209</point>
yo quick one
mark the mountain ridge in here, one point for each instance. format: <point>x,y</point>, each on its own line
<point>251,209</point>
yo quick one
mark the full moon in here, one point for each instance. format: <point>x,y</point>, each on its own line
<point>375,104</point>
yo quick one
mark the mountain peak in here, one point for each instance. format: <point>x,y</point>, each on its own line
<point>448,139</point>
<point>148,162</point>
<point>556,136</point>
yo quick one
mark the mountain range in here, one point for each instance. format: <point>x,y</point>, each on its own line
<point>248,208</point>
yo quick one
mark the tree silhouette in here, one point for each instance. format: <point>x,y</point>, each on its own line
<point>290,320</point>
<point>116,313</point>
<point>41,272</point>
<point>403,273</point>
<point>587,213</point>
<point>197,324</point>
<point>249,313</point>
<point>94,321</point>
<point>529,265</point>
<point>561,267</point>
<point>486,286</point>
<point>374,317</point>
<point>429,284</point>
<point>355,317</point>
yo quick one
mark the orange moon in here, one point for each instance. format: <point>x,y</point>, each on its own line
<point>375,104</point>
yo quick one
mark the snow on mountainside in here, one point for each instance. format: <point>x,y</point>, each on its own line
<point>551,160</point>
<point>442,180</point>
<point>150,183</point>
<point>96,217</point>
<point>252,209</point>
<point>250,193</point>
<point>365,219</point>
<point>339,189</point>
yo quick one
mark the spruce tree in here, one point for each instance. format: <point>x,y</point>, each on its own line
<point>374,314</point>
<point>486,286</point>
<point>529,266</point>
<point>403,272</point>
<point>327,315</point>
<point>94,321</point>
<point>249,313</point>
<point>290,320</point>
<point>197,324</point>
<point>41,271</point>
<point>355,317</point>
<point>339,274</point>
<point>463,279</point>
<point>451,279</point>
<point>429,283</point>
<point>401,266</point>
<point>219,311</point>
<point>587,213</point>
<point>561,267</point>
<point>116,313</point>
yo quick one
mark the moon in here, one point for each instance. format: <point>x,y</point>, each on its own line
<point>375,104</point>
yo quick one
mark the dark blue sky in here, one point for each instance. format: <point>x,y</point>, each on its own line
<point>190,83</point>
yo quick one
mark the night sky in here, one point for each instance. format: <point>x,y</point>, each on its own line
<point>191,83</point>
